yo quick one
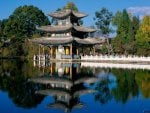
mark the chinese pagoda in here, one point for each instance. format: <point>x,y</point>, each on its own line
<point>66,36</point>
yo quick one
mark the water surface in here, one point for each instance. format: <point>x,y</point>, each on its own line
<point>70,87</point>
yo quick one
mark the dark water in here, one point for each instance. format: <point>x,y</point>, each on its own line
<point>68,87</point>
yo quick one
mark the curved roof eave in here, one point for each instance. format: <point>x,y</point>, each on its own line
<point>79,14</point>
<point>66,40</point>
<point>60,14</point>
<point>88,41</point>
<point>65,13</point>
<point>52,41</point>
<point>84,29</point>
<point>55,29</point>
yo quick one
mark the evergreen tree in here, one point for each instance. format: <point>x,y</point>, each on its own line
<point>103,20</point>
<point>117,42</point>
<point>0,28</point>
<point>117,18</point>
<point>22,23</point>
<point>123,30</point>
<point>143,37</point>
<point>20,26</point>
<point>123,22</point>
<point>2,25</point>
<point>133,27</point>
<point>71,5</point>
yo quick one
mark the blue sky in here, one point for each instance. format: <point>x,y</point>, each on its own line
<point>88,6</point>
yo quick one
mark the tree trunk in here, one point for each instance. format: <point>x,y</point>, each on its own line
<point>109,47</point>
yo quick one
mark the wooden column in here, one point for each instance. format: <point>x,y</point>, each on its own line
<point>82,51</point>
<point>51,68</point>
<point>71,71</point>
<point>94,51</point>
<point>90,51</point>
<point>77,69</point>
<point>39,58</point>
<point>43,70</point>
<point>77,51</point>
<point>51,52</point>
<point>43,49</point>
<point>56,50</point>
<point>65,50</point>
<point>71,50</point>
<point>39,49</point>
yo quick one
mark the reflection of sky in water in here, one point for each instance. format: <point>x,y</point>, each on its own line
<point>112,79</point>
<point>132,106</point>
<point>136,105</point>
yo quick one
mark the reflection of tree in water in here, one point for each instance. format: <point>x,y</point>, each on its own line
<point>143,80</point>
<point>19,89</point>
<point>104,92</point>
<point>127,86</point>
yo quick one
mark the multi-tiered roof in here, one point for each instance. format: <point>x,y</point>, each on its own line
<point>67,30</point>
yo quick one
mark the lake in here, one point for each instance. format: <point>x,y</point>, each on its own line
<point>68,87</point>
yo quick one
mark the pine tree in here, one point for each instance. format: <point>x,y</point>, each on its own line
<point>103,20</point>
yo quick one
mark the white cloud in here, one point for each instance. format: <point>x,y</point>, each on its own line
<point>141,11</point>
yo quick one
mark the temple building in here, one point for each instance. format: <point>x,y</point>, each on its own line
<point>66,36</point>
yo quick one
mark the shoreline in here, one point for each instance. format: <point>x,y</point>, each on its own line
<point>116,65</point>
<point>83,63</point>
<point>78,60</point>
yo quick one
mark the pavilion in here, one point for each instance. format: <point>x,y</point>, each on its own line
<point>66,36</point>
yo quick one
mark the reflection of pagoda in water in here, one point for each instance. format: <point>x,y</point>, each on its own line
<point>66,83</point>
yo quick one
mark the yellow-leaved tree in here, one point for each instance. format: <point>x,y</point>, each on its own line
<point>143,37</point>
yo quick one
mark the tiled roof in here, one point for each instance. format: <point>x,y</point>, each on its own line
<point>84,29</point>
<point>64,28</point>
<point>67,40</point>
<point>65,13</point>
<point>55,29</point>
<point>52,41</point>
